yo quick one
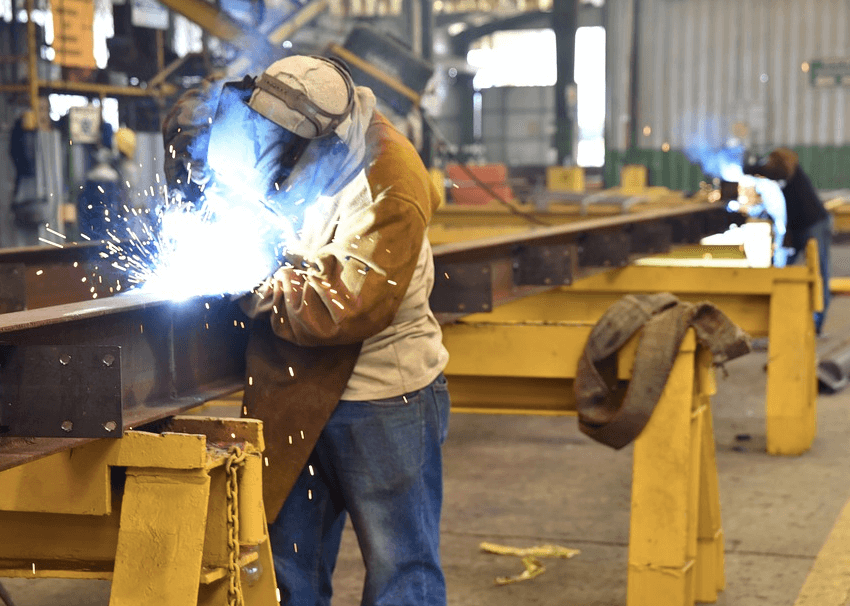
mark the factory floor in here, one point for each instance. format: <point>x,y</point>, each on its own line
<point>525,481</point>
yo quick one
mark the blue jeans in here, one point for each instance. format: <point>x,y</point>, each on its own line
<point>380,462</point>
<point>822,232</point>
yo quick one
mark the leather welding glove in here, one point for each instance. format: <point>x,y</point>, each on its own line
<point>185,133</point>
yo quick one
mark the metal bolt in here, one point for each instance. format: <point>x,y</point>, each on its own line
<point>110,426</point>
<point>67,426</point>
<point>64,359</point>
<point>108,360</point>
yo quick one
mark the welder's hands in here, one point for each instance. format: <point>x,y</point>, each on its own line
<point>268,296</point>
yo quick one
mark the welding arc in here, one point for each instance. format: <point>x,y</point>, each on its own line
<point>445,145</point>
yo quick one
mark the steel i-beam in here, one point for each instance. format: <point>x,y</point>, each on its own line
<point>93,369</point>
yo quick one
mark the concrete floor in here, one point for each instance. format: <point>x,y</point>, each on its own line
<point>525,481</point>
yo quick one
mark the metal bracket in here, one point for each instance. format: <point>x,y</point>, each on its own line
<point>543,265</point>
<point>68,391</point>
<point>13,287</point>
<point>604,249</point>
<point>651,237</point>
<point>462,287</point>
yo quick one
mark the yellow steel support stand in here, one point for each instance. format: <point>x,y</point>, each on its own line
<point>766,302</point>
<point>148,512</point>
<point>773,302</point>
<point>676,538</point>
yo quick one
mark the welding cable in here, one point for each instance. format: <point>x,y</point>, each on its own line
<point>446,146</point>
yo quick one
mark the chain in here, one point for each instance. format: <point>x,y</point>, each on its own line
<point>235,459</point>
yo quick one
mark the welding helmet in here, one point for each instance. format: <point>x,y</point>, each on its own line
<point>246,150</point>
<point>307,95</point>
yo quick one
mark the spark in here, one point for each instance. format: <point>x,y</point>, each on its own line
<point>393,282</point>
<point>290,439</point>
<point>310,467</point>
<point>56,233</point>
<point>291,372</point>
<point>56,244</point>
<point>250,380</point>
<point>295,545</point>
<point>302,434</point>
<point>309,494</point>
<point>39,272</point>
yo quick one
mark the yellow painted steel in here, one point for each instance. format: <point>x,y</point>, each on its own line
<point>445,234</point>
<point>634,178</point>
<point>766,302</point>
<point>839,285</point>
<point>160,533</point>
<point>676,537</point>
<point>565,178</point>
<point>774,302</point>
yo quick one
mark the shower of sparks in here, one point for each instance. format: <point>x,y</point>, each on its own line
<point>182,250</point>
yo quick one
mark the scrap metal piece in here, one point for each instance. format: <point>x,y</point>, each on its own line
<point>70,391</point>
<point>530,559</point>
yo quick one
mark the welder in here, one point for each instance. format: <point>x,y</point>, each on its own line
<point>807,217</point>
<point>345,360</point>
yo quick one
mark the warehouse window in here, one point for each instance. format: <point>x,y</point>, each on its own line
<point>514,58</point>
<point>527,58</point>
<point>590,82</point>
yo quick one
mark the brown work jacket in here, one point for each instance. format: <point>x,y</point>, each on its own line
<point>301,354</point>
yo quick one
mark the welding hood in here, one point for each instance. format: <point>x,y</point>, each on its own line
<point>261,160</point>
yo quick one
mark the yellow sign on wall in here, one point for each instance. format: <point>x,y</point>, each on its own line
<point>73,33</point>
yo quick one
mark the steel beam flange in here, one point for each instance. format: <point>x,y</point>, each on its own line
<point>543,265</point>
<point>65,391</point>
<point>462,287</point>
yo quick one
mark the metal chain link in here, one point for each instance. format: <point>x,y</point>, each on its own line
<point>236,458</point>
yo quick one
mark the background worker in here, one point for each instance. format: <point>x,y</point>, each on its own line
<point>345,358</point>
<point>807,217</point>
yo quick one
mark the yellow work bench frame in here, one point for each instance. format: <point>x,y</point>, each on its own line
<point>148,511</point>
<point>676,548</point>
<point>773,302</point>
